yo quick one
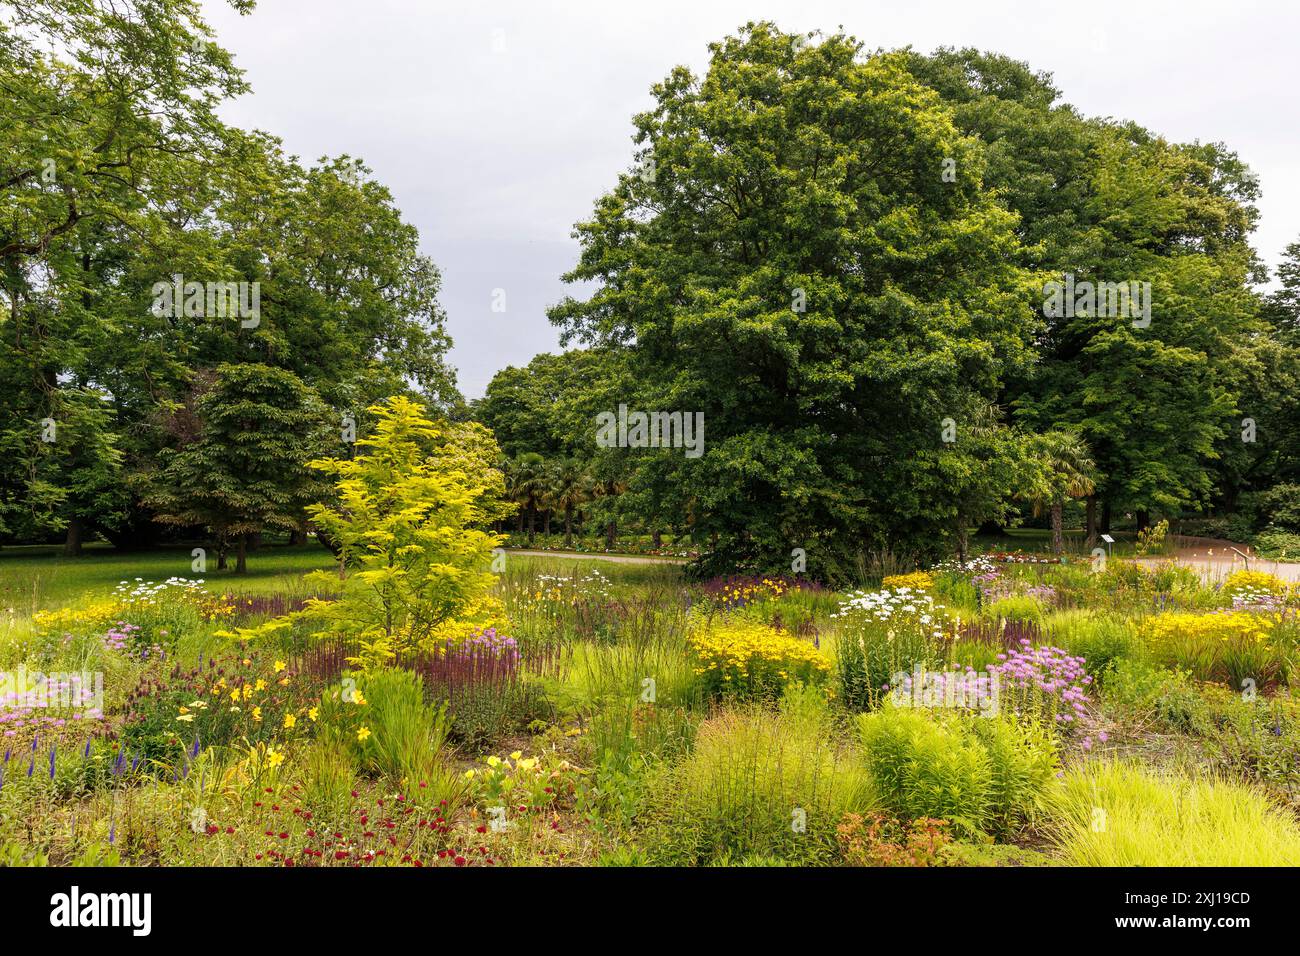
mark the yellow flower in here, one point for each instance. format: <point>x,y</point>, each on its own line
<point>261,684</point>
<point>257,713</point>
<point>469,774</point>
<point>516,755</point>
<point>279,666</point>
<point>494,761</point>
<point>274,758</point>
<point>186,717</point>
<point>357,698</point>
<point>184,710</point>
<point>313,713</point>
<point>289,721</point>
<point>363,734</point>
<point>234,696</point>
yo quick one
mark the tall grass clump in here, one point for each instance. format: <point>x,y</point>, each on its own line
<point>758,783</point>
<point>1119,814</point>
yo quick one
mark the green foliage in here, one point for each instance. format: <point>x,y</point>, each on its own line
<point>1015,607</point>
<point>245,468</point>
<point>762,192</point>
<point>981,774</point>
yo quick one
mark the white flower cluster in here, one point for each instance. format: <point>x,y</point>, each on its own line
<point>889,605</point>
<point>146,592</point>
<point>976,565</point>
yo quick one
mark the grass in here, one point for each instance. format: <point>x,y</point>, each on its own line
<point>1121,814</point>
<point>41,577</point>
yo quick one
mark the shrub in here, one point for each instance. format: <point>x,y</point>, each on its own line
<point>878,840</point>
<point>1152,540</point>
<point>757,783</point>
<point>750,660</point>
<point>1278,545</point>
<point>1118,814</point>
<point>982,774</point>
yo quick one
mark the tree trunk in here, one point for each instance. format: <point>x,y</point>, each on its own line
<point>961,538</point>
<point>72,545</point>
<point>546,523</point>
<point>1105,517</point>
<point>221,556</point>
<point>568,526</point>
<point>611,535</point>
<point>1058,543</point>
<point>241,559</point>
<point>1090,522</point>
<point>1143,519</point>
<point>532,523</point>
<point>657,539</point>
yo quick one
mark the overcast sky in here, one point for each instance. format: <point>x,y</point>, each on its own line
<point>497,125</point>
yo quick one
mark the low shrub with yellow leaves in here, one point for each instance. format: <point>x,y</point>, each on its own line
<point>751,660</point>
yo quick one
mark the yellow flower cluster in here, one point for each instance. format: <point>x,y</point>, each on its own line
<point>1182,627</point>
<point>753,659</point>
<point>86,617</point>
<point>917,580</point>
<point>738,593</point>
<point>1254,581</point>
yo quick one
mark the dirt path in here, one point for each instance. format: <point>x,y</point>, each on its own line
<point>1214,559</point>
<point>616,558</point>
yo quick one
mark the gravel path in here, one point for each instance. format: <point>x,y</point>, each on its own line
<point>1214,560</point>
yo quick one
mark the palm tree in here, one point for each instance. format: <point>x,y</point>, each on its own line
<point>571,490</point>
<point>529,486</point>
<point>1065,470</point>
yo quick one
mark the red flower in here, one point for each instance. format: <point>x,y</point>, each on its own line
<point>460,861</point>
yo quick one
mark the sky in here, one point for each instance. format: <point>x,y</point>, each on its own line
<point>497,126</point>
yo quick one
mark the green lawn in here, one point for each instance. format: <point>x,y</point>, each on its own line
<point>36,577</point>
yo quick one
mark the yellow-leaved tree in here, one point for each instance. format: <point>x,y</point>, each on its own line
<point>410,517</point>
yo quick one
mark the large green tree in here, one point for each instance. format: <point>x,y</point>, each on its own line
<point>240,465</point>
<point>808,256</point>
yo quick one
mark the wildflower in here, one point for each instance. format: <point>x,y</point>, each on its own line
<point>279,666</point>
<point>363,734</point>
<point>289,721</point>
<point>313,713</point>
<point>274,758</point>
